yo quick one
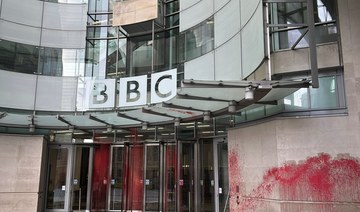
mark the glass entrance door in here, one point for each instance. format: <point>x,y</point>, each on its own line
<point>69,178</point>
<point>58,185</point>
<point>214,185</point>
<point>81,180</point>
<point>186,188</point>
<point>135,178</point>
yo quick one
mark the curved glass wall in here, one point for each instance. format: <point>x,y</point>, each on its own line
<point>197,41</point>
<point>47,61</point>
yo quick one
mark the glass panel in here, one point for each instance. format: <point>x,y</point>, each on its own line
<point>96,58</point>
<point>326,95</point>
<point>170,176</point>
<point>26,58</point>
<point>172,7</point>
<point>298,100</point>
<point>61,62</point>
<point>100,176</point>
<point>295,13</point>
<point>136,178</point>
<point>207,183</point>
<point>186,180</point>
<point>223,177</point>
<point>199,40</point>
<point>141,55</point>
<point>117,179</point>
<point>56,185</point>
<point>152,179</point>
<point>80,179</point>
<point>255,113</point>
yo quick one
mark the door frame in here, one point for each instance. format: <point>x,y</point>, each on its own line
<point>215,142</point>
<point>69,176</point>
<point>68,186</point>
<point>90,171</point>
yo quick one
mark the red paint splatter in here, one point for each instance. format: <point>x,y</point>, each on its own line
<point>318,179</point>
<point>235,180</point>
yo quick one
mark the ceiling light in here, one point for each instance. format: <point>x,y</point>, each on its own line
<point>206,116</point>
<point>177,122</point>
<point>249,93</point>
<point>232,107</point>
<point>109,128</point>
<point>144,126</point>
<point>31,128</point>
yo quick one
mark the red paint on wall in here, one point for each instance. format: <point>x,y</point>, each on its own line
<point>235,181</point>
<point>318,179</point>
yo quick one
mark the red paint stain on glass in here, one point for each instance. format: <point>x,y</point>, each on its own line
<point>318,179</point>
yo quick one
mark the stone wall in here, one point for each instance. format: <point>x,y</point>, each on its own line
<point>20,172</point>
<point>304,164</point>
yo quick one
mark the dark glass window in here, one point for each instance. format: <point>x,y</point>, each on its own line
<point>18,57</point>
<point>284,37</point>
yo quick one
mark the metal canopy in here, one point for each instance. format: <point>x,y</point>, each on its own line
<point>194,99</point>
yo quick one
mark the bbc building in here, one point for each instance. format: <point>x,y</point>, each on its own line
<point>180,105</point>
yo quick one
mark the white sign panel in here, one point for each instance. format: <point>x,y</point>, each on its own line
<point>100,93</point>
<point>163,86</point>
<point>133,91</point>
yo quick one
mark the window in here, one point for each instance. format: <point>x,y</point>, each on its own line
<point>285,37</point>
<point>329,95</point>
<point>197,41</point>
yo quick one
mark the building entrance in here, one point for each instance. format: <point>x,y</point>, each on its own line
<point>142,177</point>
<point>134,176</point>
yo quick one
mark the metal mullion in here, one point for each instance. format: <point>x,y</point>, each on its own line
<point>216,174</point>
<point>144,176</point>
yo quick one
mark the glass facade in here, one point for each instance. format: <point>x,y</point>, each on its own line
<point>129,51</point>
<point>285,37</point>
<point>48,61</point>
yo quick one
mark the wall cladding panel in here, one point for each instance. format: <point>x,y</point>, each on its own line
<point>61,91</point>
<point>63,39</point>
<point>228,66</point>
<point>62,16</point>
<point>29,13</point>
<point>201,68</point>
<point>226,26</point>
<point>196,14</point>
<point>19,33</point>
<point>17,90</point>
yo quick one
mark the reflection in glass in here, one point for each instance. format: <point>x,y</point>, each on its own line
<point>152,179</point>
<point>207,181</point>
<point>18,57</point>
<point>80,178</point>
<point>58,162</point>
<point>117,179</point>
<point>326,95</point>
<point>298,100</point>
<point>170,183</point>
<point>96,58</point>
<point>199,40</point>
<point>223,176</point>
<point>186,178</point>
<point>61,62</point>
<point>296,13</point>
